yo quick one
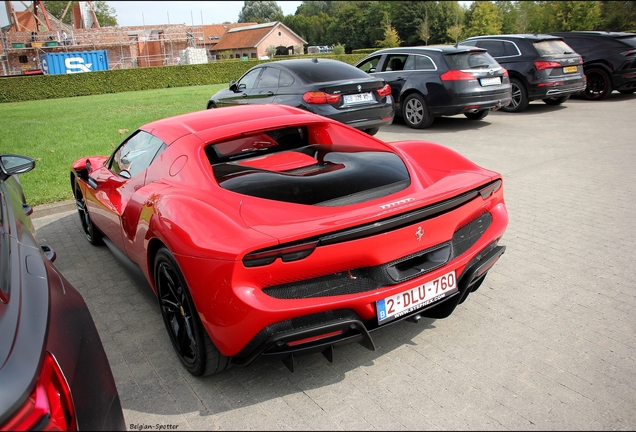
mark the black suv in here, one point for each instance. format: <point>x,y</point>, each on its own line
<point>541,66</point>
<point>609,60</point>
<point>440,80</point>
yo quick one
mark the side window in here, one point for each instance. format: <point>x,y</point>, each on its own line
<point>269,78</point>
<point>285,79</point>
<point>577,44</point>
<point>395,62</point>
<point>424,63</point>
<point>495,48</point>
<point>511,49</point>
<point>370,65</point>
<point>248,80</point>
<point>136,154</point>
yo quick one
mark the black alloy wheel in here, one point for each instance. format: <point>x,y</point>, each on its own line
<point>189,339</point>
<point>476,115</point>
<point>519,97</point>
<point>598,86</point>
<point>556,100</point>
<point>415,112</point>
<point>91,233</point>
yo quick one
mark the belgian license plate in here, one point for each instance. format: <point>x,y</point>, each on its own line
<point>416,298</point>
<point>490,81</point>
<point>358,98</point>
<point>569,69</point>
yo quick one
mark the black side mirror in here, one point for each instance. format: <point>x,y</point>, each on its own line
<point>233,86</point>
<point>11,164</point>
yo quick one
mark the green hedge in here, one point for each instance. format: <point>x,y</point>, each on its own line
<point>35,87</point>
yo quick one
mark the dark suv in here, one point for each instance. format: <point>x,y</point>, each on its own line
<point>609,60</point>
<point>440,80</point>
<point>541,66</point>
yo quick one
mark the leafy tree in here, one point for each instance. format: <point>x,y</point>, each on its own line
<point>509,14</point>
<point>575,15</point>
<point>484,19</point>
<point>391,38</point>
<point>348,28</point>
<point>271,51</point>
<point>408,17</point>
<point>106,15</point>
<point>424,30</point>
<point>618,16</point>
<point>260,12</point>
<point>311,28</point>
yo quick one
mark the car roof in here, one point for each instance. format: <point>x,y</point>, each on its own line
<point>220,123</point>
<point>595,33</point>
<point>526,36</point>
<point>444,49</point>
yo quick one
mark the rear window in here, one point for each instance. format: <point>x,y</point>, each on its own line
<point>630,40</point>
<point>472,60</point>
<point>324,71</point>
<point>552,47</point>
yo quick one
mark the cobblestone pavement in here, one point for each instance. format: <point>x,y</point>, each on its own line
<point>547,343</point>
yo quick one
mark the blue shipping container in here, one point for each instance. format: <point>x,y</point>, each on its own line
<point>74,62</point>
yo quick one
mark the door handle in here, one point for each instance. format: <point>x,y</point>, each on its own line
<point>244,95</point>
<point>270,93</point>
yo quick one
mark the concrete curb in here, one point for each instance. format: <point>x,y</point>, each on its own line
<point>51,209</point>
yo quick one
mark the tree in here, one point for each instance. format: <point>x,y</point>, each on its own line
<point>574,15</point>
<point>484,19</point>
<point>618,16</point>
<point>424,30</point>
<point>348,27</point>
<point>260,12</point>
<point>391,38</point>
<point>106,15</point>
<point>271,51</point>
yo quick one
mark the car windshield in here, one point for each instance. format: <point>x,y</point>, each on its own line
<point>323,71</point>
<point>552,47</point>
<point>471,60</point>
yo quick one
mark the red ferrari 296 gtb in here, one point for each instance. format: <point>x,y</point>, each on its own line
<point>271,231</point>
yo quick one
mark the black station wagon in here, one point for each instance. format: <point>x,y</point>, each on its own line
<point>440,80</point>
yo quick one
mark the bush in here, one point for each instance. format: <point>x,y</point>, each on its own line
<point>36,87</point>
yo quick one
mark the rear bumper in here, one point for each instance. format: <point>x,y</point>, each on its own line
<point>472,104</point>
<point>287,339</point>
<point>556,88</point>
<point>360,117</point>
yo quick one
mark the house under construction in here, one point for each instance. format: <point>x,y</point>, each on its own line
<point>34,32</point>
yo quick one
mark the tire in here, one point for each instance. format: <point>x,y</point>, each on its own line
<point>92,234</point>
<point>189,339</point>
<point>519,97</point>
<point>415,112</point>
<point>556,100</point>
<point>630,91</point>
<point>372,131</point>
<point>599,85</point>
<point>477,115</point>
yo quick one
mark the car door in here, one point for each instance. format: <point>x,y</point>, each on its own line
<point>239,93</point>
<point>266,87</point>
<point>117,181</point>
<point>395,70</point>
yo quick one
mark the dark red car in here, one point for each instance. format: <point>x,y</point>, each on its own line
<point>268,230</point>
<point>54,373</point>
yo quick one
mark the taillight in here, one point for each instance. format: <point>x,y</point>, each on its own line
<point>541,65</point>
<point>285,253</point>
<point>50,405</point>
<point>505,72</point>
<point>384,91</point>
<point>321,98</point>
<point>629,52</point>
<point>457,75</point>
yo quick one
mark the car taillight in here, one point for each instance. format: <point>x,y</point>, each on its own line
<point>541,65</point>
<point>629,52</point>
<point>285,253</point>
<point>321,98</point>
<point>505,72</point>
<point>49,407</point>
<point>457,75</point>
<point>384,91</point>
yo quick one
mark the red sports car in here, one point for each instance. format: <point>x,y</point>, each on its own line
<point>268,230</point>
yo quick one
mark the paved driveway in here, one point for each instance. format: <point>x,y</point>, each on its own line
<point>548,342</point>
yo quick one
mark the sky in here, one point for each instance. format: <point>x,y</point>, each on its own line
<point>136,13</point>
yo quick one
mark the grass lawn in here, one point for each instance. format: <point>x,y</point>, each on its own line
<point>56,132</point>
